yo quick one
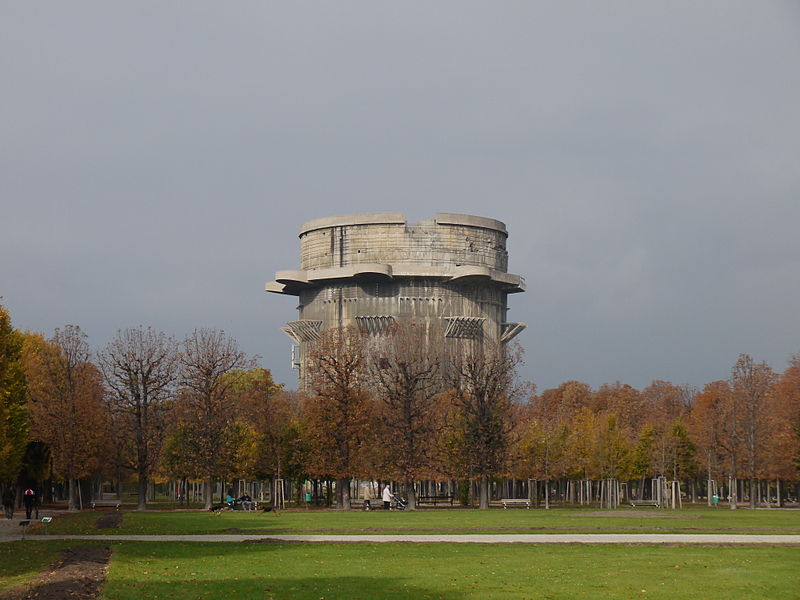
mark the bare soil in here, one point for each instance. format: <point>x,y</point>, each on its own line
<point>111,520</point>
<point>78,575</point>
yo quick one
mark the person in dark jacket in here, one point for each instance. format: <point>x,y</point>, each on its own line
<point>29,500</point>
<point>8,502</point>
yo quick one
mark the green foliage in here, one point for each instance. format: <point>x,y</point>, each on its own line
<point>642,462</point>
<point>613,451</point>
<point>684,452</point>
<point>13,417</point>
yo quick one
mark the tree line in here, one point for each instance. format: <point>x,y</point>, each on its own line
<point>386,408</point>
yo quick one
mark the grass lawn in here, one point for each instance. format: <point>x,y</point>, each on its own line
<point>695,520</point>
<point>21,561</point>
<point>143,571</point>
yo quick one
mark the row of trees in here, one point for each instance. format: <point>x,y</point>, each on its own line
<point>382,408</point>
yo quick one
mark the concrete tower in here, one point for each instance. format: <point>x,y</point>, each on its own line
<point>370,270</point>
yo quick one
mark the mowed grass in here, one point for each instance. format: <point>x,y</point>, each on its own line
<point>695,520</point>
<point>22,561</point>
<point>148,570</point>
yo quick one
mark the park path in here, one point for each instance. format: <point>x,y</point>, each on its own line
<point>519,538</point>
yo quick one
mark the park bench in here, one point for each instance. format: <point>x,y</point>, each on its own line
<point>108,503</point>
<point>442,498</point>
<point>515,502</point>
<point>653,503</point>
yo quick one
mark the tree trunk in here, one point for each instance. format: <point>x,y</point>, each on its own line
<point>143,486</point>
<point>754,492</point>
<point>343,493</point>
<point>483,493</point>
<point>208,493</point>
<point>72,495</point>
<point>411,495</point>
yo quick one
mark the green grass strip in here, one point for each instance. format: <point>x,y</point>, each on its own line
<point>442,521</point>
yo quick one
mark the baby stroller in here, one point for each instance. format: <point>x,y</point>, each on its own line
<point>400,503</point>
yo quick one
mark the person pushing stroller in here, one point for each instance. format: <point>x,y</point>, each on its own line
<point>388,496</point>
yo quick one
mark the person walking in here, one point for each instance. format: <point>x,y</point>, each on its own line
<point>8,501</point>
<point>29,499</point>
<point>387,497</point>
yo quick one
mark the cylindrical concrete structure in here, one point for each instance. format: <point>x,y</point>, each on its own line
<point>370,270</point>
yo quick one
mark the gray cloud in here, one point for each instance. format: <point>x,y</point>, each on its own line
<point>157,161</point>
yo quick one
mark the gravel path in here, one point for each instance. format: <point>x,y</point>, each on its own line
<point>521,538</point>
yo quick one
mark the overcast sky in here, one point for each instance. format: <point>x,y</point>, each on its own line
<point>158,158</point>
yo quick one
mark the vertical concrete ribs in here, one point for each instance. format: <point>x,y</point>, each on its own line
<point>369,270</point>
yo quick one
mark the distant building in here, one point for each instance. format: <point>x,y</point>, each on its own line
<point>448,274</point>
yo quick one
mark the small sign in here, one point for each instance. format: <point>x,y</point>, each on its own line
<point>46,519</point>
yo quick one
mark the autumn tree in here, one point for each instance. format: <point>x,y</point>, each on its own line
<point>544,444</point>
<point>613,450</point>
<point>582,443</point>
<point>340,415</point>
<point>784,451</point>
<point>482,382</point>
<point>663,405</point>
<point>708,425</point>
<point>624,402</point>
<point>210,365</point>
<point>139,367</point>
<point>13,420</point>
<point>66,407</point>
<point>751,384</point>
<point>407,377</point>
<point>276,418</point>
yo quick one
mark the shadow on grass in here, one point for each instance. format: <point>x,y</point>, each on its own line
<point>311,587</point>
<point>78,574</point>
<point>221,570</point>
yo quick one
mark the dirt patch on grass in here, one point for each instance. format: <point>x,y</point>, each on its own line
<point>111,520</point>
<point>635,513</point>
<point>77,575</point>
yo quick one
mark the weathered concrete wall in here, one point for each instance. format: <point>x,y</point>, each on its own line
<point>326,243</point>
<point>369,270</point>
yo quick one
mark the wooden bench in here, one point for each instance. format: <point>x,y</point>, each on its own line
<point>109,503</point>
<point>653,503</point>
<point>515,502</point>
<point>444,498</point>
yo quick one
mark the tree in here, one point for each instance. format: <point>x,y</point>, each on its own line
<point>66,407</point>
<point>482,382</point>
<point>210,365</point>
<point>784,450</point>
<point>751,384</point>
<point>623,401</point>
<point>13,420</point>
<point>407,377</point>
<point>707,426</point>
<point>545,438</point>
<point>341,413</point>
<point>275,415</point>
<point>140,367</point>
<point>613,451</point>
<point>682,452</point>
